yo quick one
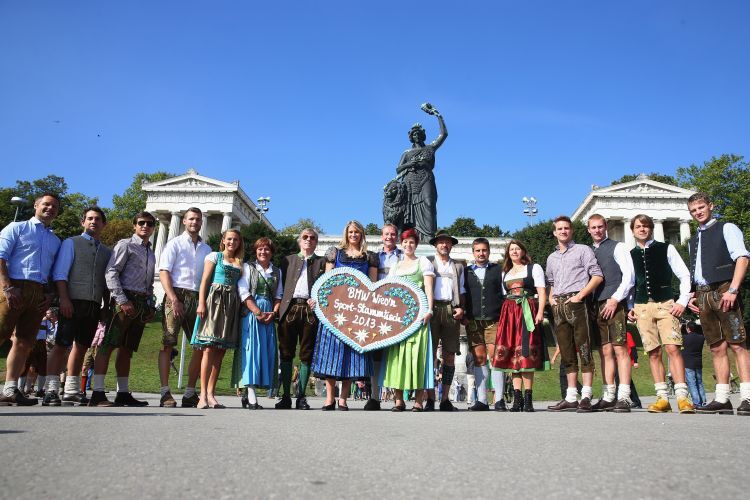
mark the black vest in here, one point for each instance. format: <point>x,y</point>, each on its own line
<point>605,256</point>
<point>483,299</point>
<point>653,275</point>
<point>716,263</point>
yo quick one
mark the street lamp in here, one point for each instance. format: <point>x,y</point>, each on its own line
<point>17,201</point>
<point>530,211</point>
<point>262,207</point>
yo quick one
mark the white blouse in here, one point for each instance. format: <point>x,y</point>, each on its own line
<point>537,273</point>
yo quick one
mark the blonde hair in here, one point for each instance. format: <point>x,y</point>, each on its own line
<point>344,244</point>
<point>240,252</point>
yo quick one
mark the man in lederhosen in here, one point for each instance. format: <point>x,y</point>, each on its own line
<point>718,263</point>
<point>180,272</point>
<point>610,311</point>
<point>130,279</point>
<point>298,323</point>
<point>79,278</point>
<point>484,291</point>
<point>572,276</point>
<point>448,304</point>
<point>27,253</point>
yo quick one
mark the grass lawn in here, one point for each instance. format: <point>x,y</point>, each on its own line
<point>144,374</point>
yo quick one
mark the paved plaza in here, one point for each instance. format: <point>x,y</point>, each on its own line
<point>234,453</point>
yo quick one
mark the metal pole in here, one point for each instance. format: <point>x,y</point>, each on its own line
<point>182,360</point>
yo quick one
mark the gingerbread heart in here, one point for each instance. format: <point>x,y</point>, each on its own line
<point>368,316</point>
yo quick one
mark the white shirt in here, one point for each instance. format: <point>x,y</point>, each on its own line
<point>301,289</point>
<point>243,285</point>
<point>184,261</point>
<point>735,244</point>
<point>625,261</point>
<point>444,283</point>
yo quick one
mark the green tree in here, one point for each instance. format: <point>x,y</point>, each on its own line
<point>297,227</point>
<point>467,226</point>
<point>654,176</point>
<point>540,242</point>
<point>133,200</point>
<point>116,230</point>
<point>68,221</point>
<point>372,228</point>
<point>286,244</point>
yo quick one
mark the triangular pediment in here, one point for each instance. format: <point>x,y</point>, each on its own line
<point>642,187</point>
<point>188,181</point>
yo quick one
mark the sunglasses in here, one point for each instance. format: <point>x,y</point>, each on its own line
<point>309,237</point>
<point>148,223</point>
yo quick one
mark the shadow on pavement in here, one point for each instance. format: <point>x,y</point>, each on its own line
<point>95,414</point>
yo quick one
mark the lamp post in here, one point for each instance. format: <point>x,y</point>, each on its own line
<point>530,211</point>
<point>262,207</point>
<point>17,201</point>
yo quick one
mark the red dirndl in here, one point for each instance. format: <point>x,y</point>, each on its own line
<point>509,344</point>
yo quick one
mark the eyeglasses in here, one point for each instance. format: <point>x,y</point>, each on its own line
<point>309,237</point>
<point>148,223</point>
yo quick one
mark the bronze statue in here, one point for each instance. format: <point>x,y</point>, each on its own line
<point>410,200</point>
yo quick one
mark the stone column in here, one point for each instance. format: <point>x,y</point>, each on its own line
<point>658,230</point>
<point>174,225</point>
<point>204,227</point>
<point>627,234</point>
<point>226,222</point>
<point>161,239</point>
<point>684,231</point>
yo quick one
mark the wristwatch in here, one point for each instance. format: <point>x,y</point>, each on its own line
<point>733,290</point>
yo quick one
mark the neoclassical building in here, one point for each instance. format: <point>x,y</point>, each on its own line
<point>224,205</point>
<point>619,203</point>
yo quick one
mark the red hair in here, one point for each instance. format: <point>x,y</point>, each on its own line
<point>410,233</point>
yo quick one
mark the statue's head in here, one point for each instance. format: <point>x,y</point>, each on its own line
<point>417,133</point>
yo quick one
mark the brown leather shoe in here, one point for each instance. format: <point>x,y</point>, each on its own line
<point>622,406</point>
<point>716,407</point>
<point>167,401</point>
<point>584,406</point>
<point>17,399</point>
<point>564,405</point>
<point>603,405</point>
<point>744,408</point>
<point>98,398</point>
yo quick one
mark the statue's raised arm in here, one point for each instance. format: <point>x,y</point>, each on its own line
<point>432,110</point>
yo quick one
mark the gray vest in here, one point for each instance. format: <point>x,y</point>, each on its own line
<point>86,277</point>
<point>458,269</point>
<point>605,256</point>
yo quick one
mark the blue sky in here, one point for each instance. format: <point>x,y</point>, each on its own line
<point>310,102</point>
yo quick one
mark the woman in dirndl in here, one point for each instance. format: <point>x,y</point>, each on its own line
<point>520,347</point>
<point>408,365</point>
<point>260,290</point>
<point>217,327</point>
<point>333,360</point>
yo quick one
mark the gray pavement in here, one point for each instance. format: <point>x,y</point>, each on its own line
<point>155,452</point>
